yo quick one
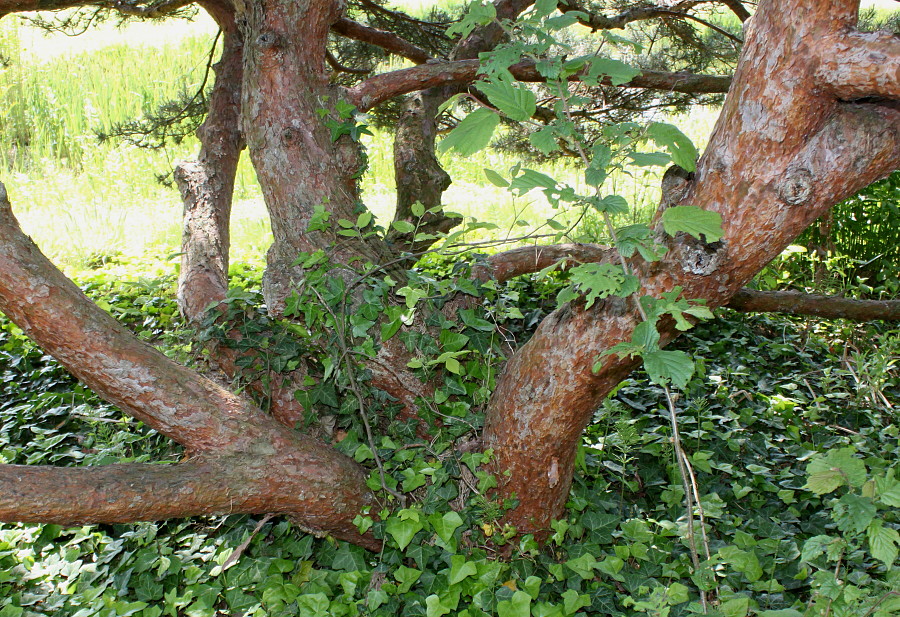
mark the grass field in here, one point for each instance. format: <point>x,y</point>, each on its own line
<point>82,200</point>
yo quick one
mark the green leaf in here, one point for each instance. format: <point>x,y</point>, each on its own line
<point>404,227</point>
<point>363,219</point>
<point>453,341</point>
<point>434,607</point>
<point>460,569</point>
<point>694,221</point>
<point>679,146</point>
<point>515,100</point>
<point>472,134</point>
<point>583,565</point>
<point>572,601</point>
<point>853,513</point>
<point>403,530</point>
<point>418,209</point>
<point>407,577</point>
<point>445,526</point>
<point>544,140</point>
<point>612,204</point>
<point>736,607</point>
<point>531,179</point>
<point>617,71</point>
<point>745,562</point>
<point>888,489</point>
<point>883,542</point>
<point>664,367</point>
<point>478,15</point>
<point>836,468</point>
<point>517,606</point>
<point>495,178</point>
<point>650,159</point>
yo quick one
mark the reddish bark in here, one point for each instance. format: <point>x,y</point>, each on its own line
<point>386,86</point>
<point>784,150</point>
<point>829,307</point>
<point>386,40</point>
<point>207,184</point>
<point>290,473</point>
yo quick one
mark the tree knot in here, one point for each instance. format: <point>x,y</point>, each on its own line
<point>796,186</point>
<point>697,257</point>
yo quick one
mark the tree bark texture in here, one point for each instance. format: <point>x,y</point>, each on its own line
<point>207,184</point>
<point>785,149</point>
<point>233,447</point>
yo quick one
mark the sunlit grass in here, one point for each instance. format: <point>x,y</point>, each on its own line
<point>84,201</point>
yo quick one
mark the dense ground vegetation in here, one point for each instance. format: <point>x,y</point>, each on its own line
<point>790,427</point>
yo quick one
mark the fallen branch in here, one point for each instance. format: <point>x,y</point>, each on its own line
<point>831,307</point>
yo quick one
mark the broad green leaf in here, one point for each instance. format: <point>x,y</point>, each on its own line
<point>364,219</point>
<point>645,335</point>
<point>453,365</point>
<point>435,607</point>
<point>515,100</point>
<point>883,542</point>
<point>418,209</point>
<point>612,204</point>
<point>814,547</point>
<point>617,71</point>
<point>595,281</point>
<point>745,562</point>
<point>460,569</point>
<point>531,179</point>
<point>517,606</point>
<point>678,145</point>
<point>312,604</point>
<point>403,530</point>
<point>836,468</point>
<point>694,221</point>
<point>583,566</point>
<point>650,159</point>
<point>888,489</point>
<point>407,577</point>
<point>472,134</point>
<point>544,140</point>
<point>736,607</point>
<point>664,367</point>
<point>495,178</point>
<point>404,227</point>
<point>853,513</point>
<point>445,525</point>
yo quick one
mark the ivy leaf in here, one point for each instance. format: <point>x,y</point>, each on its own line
<point>461,569</point>
<point>583,565</point>
<point>444,526</point>
<point>453,341</point>
<point>836,468</point>
<point>516,101</point>
<point>883,542</point>
<point>403,529</point>
<point>678,145</point>
<point>517,606</point>
<point>694,221</point>
<point>407,577</point>
<point>472,134</point>
<point>664,367</point>
<point>745,562</point>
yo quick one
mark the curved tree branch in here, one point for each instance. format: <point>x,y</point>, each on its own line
<point>380,38</point>
<point>386,86</point>
<point>103,354</point>
<point>856,65</point>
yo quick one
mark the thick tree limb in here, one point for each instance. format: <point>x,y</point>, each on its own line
<point>737,7</point>
<point>831,307</point>
<point>856,65</point>
<point>322,494</point>
<point>386,86</point>
<point>769,170</point>
<point>149,11</point>
<point>380,38</point>
<point>527,259</point>
<point>207,185</point>
<point>109,359</point>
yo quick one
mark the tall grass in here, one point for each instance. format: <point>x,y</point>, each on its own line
<point>84,201</point>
